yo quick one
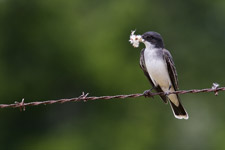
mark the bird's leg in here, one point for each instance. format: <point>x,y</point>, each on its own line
<point>166,93</point>
<point>148,93</point>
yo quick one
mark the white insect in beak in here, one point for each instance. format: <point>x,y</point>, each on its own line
<point>135,39</point>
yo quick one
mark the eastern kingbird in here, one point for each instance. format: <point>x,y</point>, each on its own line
<point>158,66</point>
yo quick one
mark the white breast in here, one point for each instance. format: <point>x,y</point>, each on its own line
<point>157,68</point>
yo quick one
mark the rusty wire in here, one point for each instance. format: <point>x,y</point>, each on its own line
<point>84,97</point>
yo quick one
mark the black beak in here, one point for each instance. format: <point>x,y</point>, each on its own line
<point>143,39</point>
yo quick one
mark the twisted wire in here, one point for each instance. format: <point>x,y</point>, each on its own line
<point>84,97</point>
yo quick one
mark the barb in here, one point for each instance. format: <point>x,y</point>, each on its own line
<point>84,97</point>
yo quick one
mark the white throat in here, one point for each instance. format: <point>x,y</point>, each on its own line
<point>148,45</point>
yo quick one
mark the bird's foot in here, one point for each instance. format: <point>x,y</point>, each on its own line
<point>166,93</point>
<point>148,93</point>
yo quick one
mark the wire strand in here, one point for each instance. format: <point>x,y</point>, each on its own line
<point>84,97</point>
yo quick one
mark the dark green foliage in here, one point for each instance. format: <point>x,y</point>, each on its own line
<point>57,49</point>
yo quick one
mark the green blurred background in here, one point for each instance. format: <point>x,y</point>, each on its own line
<point>52,49</point>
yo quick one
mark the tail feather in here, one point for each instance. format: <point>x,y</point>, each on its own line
<point>179,111</point>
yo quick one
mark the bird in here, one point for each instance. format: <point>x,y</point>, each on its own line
<point>158,66</point>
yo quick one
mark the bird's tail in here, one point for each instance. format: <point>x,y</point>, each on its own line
<point>178,111</point>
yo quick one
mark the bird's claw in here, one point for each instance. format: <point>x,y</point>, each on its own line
<point>166,93</point>
<point>148,93</point>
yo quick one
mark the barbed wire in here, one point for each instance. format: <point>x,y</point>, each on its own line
<point>84,97</point>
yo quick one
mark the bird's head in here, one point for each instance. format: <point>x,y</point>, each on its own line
<point>152,39</point>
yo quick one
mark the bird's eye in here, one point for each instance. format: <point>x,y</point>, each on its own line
<point>150,37</point>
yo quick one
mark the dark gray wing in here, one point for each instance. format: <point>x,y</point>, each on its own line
<point>178,110</point>
<point>143,67</point>
<point>171,68</point>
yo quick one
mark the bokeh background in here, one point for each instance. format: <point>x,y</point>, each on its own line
<point>52,49</point>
